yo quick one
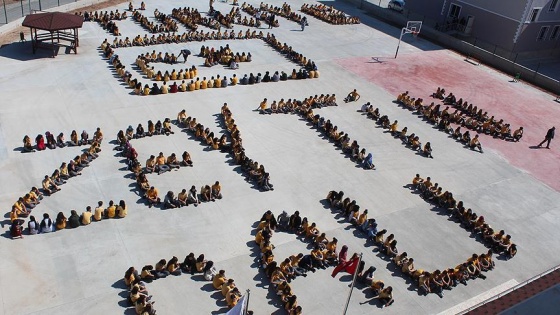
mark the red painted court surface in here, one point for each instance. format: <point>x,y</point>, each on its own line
<point>516,103</point>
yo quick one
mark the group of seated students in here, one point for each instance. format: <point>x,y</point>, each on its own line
<point>46,225</point>
<point>224,56</point>
<point>429,282</point>
<point>60,141</point>
<point>442,119</point>
<point>131,7</point>
<point>143,63</point>
<point>475,119</point>
<point>411,140</point>
<point>260,14</point>
<point>184,198</point>
<point>173,37</point>
<point>142,301</point>
<point>295,106</point>
<point>342,140</point>
<point>498,241</point>
<point>219,19</point>
<point>105,19</point>
<point>51,184</point>
<point>158,128</point>
<point>308,70</point>
<point>280,274</point>
<point>156,57</point>
<point>292,55</point>
<point>305,109</point>
<point>285,11</point>
<point>204,135</point>
<point>168,24</point>
<point>190,17</point>
<point>251,169</point>
<point>329,14</point>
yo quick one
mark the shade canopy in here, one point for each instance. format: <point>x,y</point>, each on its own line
<point>53,21</point>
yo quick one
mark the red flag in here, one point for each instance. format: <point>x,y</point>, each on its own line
<point>348,266</point>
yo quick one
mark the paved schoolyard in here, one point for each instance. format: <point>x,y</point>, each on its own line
<point>79,271</point>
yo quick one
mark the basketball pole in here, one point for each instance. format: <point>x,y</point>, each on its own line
<point>400,38</point>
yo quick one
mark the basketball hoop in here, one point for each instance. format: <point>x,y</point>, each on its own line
<point>412,27</point>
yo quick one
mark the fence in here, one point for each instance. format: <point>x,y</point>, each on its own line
<point>12,10</point>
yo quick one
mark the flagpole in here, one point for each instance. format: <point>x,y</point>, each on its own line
<point>247,303</point>
<point>352,285</point>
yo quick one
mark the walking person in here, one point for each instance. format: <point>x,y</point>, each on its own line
<point>549,136</point>
<point>185,53</point>
<point>303,23</point>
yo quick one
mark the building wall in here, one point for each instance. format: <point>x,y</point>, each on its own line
<point>503,23</point>
<point>429,8</point>
<point>512,9</point>
<point>490,28</point>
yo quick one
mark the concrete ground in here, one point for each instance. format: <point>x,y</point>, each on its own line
<point>80,271</point>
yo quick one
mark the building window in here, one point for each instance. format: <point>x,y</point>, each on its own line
<point>454,11</point>
<point>542,33</point>
<point>534,15</point>
<point>553,5</point>
<point>555,31</point>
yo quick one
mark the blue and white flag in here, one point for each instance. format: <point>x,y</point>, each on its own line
<point>239,309</point>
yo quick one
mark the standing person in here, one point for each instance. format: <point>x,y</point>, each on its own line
<point>549,136</point>
<point>303,23</point>
<point>185,53</point>
<point>211,5</point>
<point>271,21</point>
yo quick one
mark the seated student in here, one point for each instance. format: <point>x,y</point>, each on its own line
<point>173,266</point>
<point>32,226</point>
<point>60,221</point>
<point>73,220</point>
<point>263,107</point>
<point>160,270</point>
<point>122,209</point>
<point>393,128</point>
<point>186,159</point>
<point>166,127</point>
<point>193,196</point>
<point>475,143</point>
<point>227,287</point>
<point>161,167</point>
<point>206,193</point>
<point>352,96</point>
<point>86,216</point>
<point>172,161</point>
<point>219,279</point>
<point>99,212</point>
<point>27,146</point>
<point>16,230</point>
<point>428,150</point>
<point>19,208</point>
<point>385,296</point>
<point>49,186</point>
<point>146,273</point>
<point>518,134</point>
<point>152,196</point>
<point>217,190</point>
<point>150,164</point>
<point>47,224</point>
<point>170,202</point>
